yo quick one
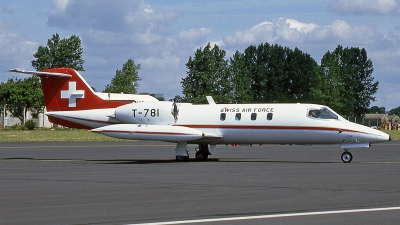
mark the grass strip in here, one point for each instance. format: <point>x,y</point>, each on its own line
<point>48,135</point>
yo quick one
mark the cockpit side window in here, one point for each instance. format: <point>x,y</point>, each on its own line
<point>322,113</point>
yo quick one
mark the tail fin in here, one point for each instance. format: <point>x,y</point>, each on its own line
<point>65,89</point>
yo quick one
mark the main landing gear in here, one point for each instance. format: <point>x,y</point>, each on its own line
<point>346,156</point>
<point>181,152</point>
<point>181,158</point>
<point>202,152</point>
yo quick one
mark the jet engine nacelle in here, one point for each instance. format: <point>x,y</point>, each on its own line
<point>158,113</point>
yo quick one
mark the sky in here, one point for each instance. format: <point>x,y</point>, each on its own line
<point>161,35</point>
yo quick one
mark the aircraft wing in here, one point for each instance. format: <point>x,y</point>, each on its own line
<point>150,132</point>
<point>40,74</point>
<point>207,135</point>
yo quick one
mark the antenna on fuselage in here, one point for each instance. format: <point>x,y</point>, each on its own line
<point>210,100</point>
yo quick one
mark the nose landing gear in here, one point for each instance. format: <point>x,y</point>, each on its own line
<point>346,157</point>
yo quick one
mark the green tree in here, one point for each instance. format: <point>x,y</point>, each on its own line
<point>65,52</point>
<point>240,78</point>
<point>125,80</point>
<point>378,110</point>
<point>300,76</point>
<point>331,88</point>
<point>395,111</point>
<point>177,99</point>
<point>349,73</point>
<point>208,74</point>
<point>19,95</point>
<point>279,74</point>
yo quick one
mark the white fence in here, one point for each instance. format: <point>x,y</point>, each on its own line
<point>7,120</point>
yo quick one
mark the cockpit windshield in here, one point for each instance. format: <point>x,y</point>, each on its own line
<point>322,113</point>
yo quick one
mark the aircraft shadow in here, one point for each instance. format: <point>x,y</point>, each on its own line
<point>163,161</point>
<point>148,161</point>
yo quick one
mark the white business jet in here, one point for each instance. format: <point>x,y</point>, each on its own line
<point>71,102</point>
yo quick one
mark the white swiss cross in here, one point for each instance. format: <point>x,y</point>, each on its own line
<point>72,94</point>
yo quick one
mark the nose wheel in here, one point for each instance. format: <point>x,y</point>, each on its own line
<point>346,157</point>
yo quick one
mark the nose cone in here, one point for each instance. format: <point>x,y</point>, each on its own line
<point>382,136</point>
<point>369,135</point>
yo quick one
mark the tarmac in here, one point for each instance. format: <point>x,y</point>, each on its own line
<point>140,182</point>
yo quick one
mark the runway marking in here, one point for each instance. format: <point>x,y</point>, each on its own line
<point>283,215</point>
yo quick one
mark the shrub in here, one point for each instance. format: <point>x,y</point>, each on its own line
<point>16,127</point>
<point>30,124</point>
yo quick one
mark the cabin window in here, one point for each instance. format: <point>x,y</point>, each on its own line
<point>238,116</point>
<point>269,116</point>
<point>253,116</point>
<point>222,117</point>
<point>322,113</point>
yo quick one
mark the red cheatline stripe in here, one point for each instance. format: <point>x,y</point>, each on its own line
<point>138,132</point>
<point>254,127</point>
<point>205,126</point>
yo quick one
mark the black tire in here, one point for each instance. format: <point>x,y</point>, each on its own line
<point>201,155</point>
<point>181,158</point>
<point>346,157</point>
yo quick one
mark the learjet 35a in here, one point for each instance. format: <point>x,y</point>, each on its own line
<point>71,102</point>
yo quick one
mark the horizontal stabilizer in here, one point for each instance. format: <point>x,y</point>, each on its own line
<point>40,73</point>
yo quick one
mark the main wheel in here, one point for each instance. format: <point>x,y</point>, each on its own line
<point>182,158</point>
<point>346,157</point>
<point>201,155</point>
